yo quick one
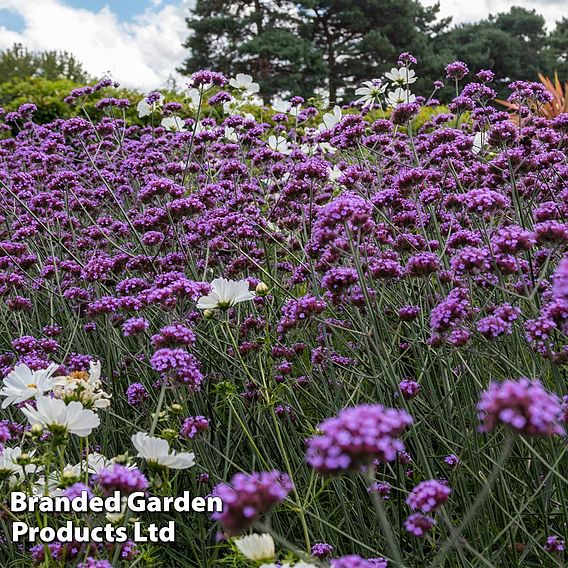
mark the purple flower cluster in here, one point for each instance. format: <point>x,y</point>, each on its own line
<point>428,496</point>
<point>247,496</point>
<point>193,425</point>
<point>117,477</point>
<point>356,437</point>
<point>356,561</point>
<point>524,406</point>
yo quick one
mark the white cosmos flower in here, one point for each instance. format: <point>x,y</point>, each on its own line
<point>400,96</point>
<point>330,119</point>
<point>56,416</point>
<point>231,134</point>
<point>479,141</point>
<point>86,387</point>
<point>173,123</point>
<point>401,76</point>
<point>22,383</point>
<point>145,109</point>
<point>334,173</point>
<point>256,546</point>
<point>279,144</point>
<point>192,97</point>
<point>157,451</point>
<point>281,107</point>
<point>370,92</point>
<point>245,83</point>
<point>224,294</point>
<point>7,459</point>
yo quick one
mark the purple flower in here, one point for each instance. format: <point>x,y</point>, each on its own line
<point>136,394</point>
<point>193,425</point>
<point>247,496</point>
<point>523,405</point>
<point>116,477</point>
<point>409,389</point>
<point>77,490</point>
<point>321,550</point>
<point>418,524</point>
<point>355,561</point>
<point>554,544</point>
<point>383,489</point>
<point>452,460</point>
<point>135,326</point>
<point>560,285</point>
<point>428,496</point>
<point>356,437</point>
<point>177,365</point>
<point>456,70</point>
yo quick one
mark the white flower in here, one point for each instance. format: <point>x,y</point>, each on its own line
<point>479,141</point>
<point>225,293</point>
<point>256,546</point>
<point>193,97</point>
<point>157,451</point>
<point>279,144</point>
<point>330,119</point>
<point>55,415</point>
<point>22,383</point>
<point>281,107</point>
<point>334,173</point>
<point>295,111</point>
<point>400,96</point>
<point>401,76</point>
<point>85,387</point>
<point>7,459</point>
<point>245,83</point>
<point>173,123</point>
<point>370,92</point>
<point>231,134</point>
<point>145,109</point>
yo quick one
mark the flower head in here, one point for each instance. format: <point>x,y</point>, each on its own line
<point>256,546</point>
<point>525,406</point>
<point>156,451</point>
<point>357,436</point>
<point>244,83</point>
<point>22,383</point>
<point>224,294</point>
<point>248,496</point>
<point>58,417</point>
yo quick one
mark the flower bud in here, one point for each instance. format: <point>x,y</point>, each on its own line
<point>262,289</point>
<point>36,430</point>
<point>208,314</point>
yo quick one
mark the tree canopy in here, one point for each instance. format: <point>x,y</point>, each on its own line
<point>306,46</point>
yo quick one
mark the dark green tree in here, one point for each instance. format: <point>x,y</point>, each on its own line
<point>18,62</point>
<point>361,39</point>
<point>512,44</point>
<point>558,46</point>
<point>259,37</point>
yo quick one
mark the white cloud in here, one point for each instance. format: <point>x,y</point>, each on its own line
<point>463,11</point>
<point>139,54</point>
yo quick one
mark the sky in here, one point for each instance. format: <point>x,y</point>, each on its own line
<point>139,42</point>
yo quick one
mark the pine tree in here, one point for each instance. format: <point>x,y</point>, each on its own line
<point>362,38</point>
<point>258,37</point>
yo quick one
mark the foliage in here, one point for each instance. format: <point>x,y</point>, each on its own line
<point>557,106</point>
<point>18,62</point>
<point>255,37</point>
<point>332,293</point>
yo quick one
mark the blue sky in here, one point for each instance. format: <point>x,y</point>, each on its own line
<point>139,42</point>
